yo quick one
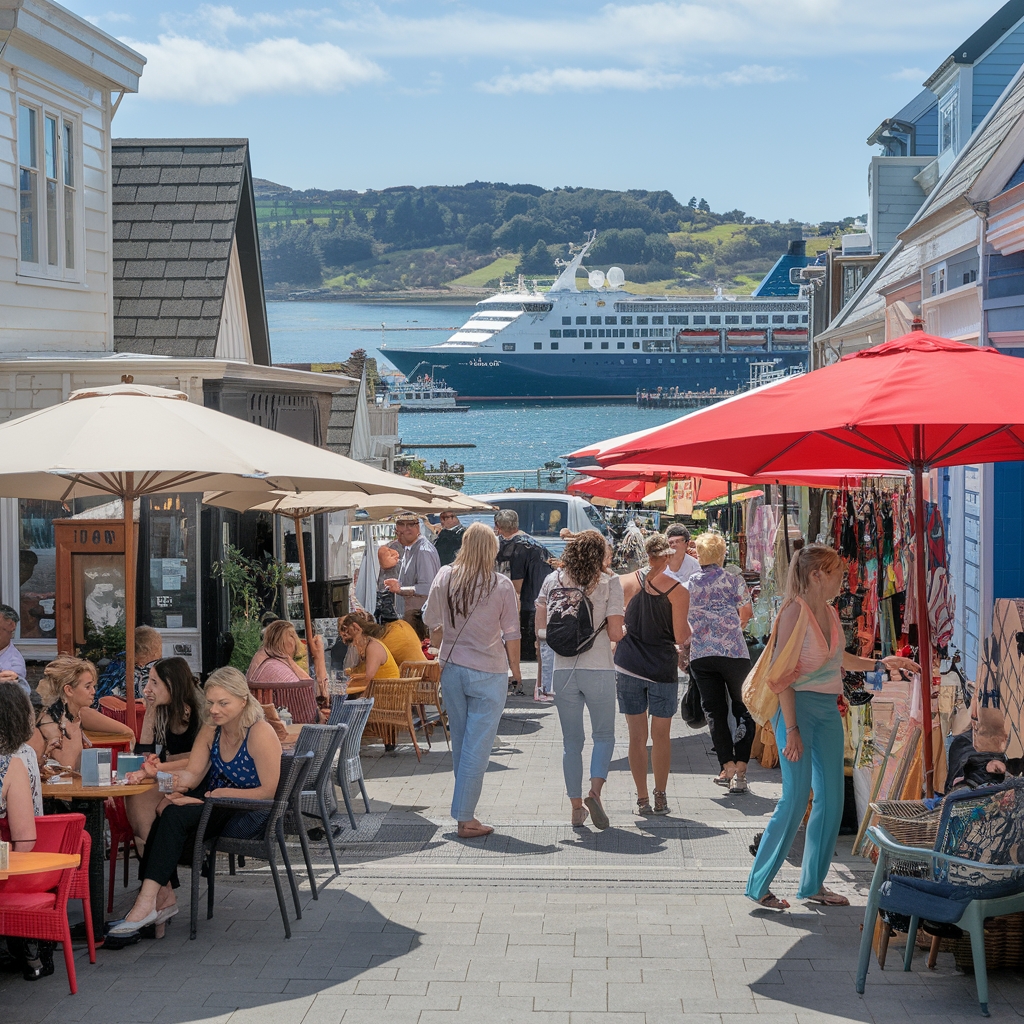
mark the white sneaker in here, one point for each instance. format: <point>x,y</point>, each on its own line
<point>738,783</point>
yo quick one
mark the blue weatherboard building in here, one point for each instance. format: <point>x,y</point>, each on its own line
<point>608,343</point>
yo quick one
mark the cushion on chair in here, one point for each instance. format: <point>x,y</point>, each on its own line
<point>12,902</point>
<point>939,901</point>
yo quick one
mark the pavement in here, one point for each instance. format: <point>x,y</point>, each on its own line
<point>540,923</point>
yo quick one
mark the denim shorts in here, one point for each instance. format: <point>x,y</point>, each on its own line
<point>637,696</point>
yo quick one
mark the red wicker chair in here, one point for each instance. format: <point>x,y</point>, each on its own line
<point>117,709</point>
<point>36,906</point>
<point>298,697</point>
<point>80,891</point>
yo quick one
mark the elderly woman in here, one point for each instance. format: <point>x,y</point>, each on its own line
<point>474,612</point>
<point>236,754</point>
<point>647,668</point>
<point>367,638</point>
<point>68,689</point>
<point>719,661</point>
<point>275,662</point>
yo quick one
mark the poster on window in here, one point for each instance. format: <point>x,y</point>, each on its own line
<point>337,546</point>
<point>680,494</point>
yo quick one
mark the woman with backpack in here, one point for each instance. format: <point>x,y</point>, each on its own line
<point>647,668</point>
<point>579,615</point>
<point>473,611</point>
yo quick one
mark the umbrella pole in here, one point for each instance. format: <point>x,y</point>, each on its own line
<point>128,506</point>
<point>305,595</point>
<point>923,626</point>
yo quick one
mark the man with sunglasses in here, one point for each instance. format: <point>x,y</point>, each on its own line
<point>12,664</point>
<point>449,538</point>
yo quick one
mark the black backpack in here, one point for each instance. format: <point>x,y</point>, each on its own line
<point>570,626</point>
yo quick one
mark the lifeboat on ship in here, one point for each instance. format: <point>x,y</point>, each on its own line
<point>789,338</point>
<point>746,338</point>
<point>700,339</point>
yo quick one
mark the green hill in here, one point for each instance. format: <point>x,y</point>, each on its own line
<point>455,239</point>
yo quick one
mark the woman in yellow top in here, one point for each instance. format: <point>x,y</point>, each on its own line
<point>402,641</point>
<point>360,630</point>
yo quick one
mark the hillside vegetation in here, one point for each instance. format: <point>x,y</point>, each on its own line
<point>454,238</point>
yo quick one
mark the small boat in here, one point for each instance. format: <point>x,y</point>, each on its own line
<point>424,395</point>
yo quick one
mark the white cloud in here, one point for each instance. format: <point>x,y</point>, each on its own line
<point>641,80</point>
<point>193,71</point>
<point>910,75</point>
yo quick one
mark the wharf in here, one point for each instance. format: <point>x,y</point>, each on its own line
<point>673,398</point>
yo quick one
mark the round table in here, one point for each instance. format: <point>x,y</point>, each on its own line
<point>36,863</point>
<point>88,800</point>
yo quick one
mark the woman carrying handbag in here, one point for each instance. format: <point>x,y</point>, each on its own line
<point>803,667</point>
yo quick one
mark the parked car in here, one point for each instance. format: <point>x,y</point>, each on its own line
<point>543,515</point>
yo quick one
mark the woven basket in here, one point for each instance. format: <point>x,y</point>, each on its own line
<point>1004,944</point>
<point>909,822</point>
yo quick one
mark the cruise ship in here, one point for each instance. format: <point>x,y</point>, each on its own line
<point>606,343</point>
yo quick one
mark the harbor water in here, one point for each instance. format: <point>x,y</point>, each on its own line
<point>513,439</point>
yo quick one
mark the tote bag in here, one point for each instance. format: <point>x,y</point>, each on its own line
<point>759,693</point>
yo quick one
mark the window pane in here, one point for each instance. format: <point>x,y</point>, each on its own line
<point>173,581</point>
<point>51,222</point>
<point>29,215</point>
<point>69,153</point>
<point>37,565</point>
<point>27,137</point>
<point>51,147</point>
<point>69,228</point>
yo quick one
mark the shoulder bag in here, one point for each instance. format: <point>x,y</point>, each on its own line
<point>761,687</point>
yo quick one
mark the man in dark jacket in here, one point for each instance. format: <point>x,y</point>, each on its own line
<point>449,539</point>
<point>526,562</point>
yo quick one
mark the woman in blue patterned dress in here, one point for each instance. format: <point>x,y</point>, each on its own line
<point>236,754</point>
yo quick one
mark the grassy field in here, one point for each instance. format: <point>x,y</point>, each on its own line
<point>501,267</point>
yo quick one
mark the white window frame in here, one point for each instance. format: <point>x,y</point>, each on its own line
<point>42,270</point>
<point>949,112</point>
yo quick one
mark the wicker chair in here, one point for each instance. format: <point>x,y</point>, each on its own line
<point>317,798</point>
<point>298,696</point>
<point>354,714</point>
<point>393,701</point>
<point>428,694</point>
<point>80,891</point>
<point>122,837</point>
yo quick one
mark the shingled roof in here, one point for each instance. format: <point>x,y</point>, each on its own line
<point>178,204</point>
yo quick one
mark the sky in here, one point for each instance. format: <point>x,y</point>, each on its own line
<point>761,105</point>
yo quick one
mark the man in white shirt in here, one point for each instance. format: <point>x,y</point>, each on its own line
<point>681,564</point>
<point>12,664</point>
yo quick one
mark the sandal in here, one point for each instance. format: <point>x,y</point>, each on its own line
<point>579,816</point>
<point>772,902</point>
<point>828,898</point>
<point>643,806</point>
<point>660,802</point>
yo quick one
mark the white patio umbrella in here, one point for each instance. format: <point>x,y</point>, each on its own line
<point>302,504</point>
<point>129,440</point>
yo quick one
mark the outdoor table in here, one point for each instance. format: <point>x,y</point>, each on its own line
<point>89,801</point>
<point>36,863</point>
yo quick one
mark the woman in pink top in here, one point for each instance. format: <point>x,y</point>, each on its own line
<point>274,662</point>
<point>475,611</point>
<point>809,730</point>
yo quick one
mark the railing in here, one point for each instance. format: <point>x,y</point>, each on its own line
<point>383,420</point>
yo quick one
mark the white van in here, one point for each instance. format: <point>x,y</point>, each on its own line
<point>542,514</point>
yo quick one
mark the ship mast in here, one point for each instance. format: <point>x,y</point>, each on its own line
<point>567,278</point>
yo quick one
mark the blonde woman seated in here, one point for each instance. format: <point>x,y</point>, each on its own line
<point>360,631</point>
<point>236,754</point>
<point>68,689</point>
<point>275,661</point>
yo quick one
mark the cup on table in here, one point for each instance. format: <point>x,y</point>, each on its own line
<point>129,763</point>
<point>165,782</point>
<point>339,683</point>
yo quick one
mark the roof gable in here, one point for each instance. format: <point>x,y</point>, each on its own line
<point>178,204</point>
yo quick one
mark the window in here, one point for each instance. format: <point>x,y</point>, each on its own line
<point>761,318</point>
<point>595,320</point>
<point>626,320</point>
<point>604,344</point>
<point>679,320</point>
<point>581,321</point>
<point>970,276</point>
<point>611,319</point>
<point>949,115</point>
<point>554,345</point>
<point>746,320</point>
<point>699,320</point>
<point>778,318</point>
<point>732,319</point>
<point>570,334</point>
<point>641,319</point>
<point>853,278</point>
<point>793,318</point>
<point>937,279</point>
<point>588,344</point>
<point>554,333</point>
<point>714,319</point>
<point>657,319</point>
<point>508,346</point>
<point>620,344</point>
<point>48,186</point>
<point>636,344</point>
<point>538,344</point>
<point>803,318</point>
<point>566,321</point>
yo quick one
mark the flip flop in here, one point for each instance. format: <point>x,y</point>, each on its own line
<point>828,898</point>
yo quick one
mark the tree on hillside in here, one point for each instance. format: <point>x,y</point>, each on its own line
<point>537,261</point>
<point>703,206</point>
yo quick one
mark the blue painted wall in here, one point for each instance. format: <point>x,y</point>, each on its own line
<point>926,138</point>
<point>993,73</point>
<point>1008,530</point>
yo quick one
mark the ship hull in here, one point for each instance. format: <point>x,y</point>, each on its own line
<point>495,376</point>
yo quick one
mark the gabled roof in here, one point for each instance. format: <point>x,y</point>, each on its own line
<point>178,205</point>
<point>910,114</point>
<point>982,39</point>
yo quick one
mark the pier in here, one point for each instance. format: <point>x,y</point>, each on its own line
<point>674,398</point>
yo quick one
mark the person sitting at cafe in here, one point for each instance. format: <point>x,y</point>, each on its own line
<point>12,664</point>
<point>149,647</point>
<point>169,728</point>
<point>236,754</point>
<point>275,661</point>
<point>68,689</point>
<point>360,631</point>
<point>399,637</point>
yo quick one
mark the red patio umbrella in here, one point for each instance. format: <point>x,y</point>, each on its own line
<point>910,404</point>
<point>615,489</point>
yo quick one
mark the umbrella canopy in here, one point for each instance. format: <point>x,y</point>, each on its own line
<point>128,440</point>
<point>910,404</point>
<point>614,489</point>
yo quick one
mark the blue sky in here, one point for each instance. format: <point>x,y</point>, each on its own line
<point>758,104</point>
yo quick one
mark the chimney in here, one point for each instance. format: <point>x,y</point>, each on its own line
<point>797,247</point>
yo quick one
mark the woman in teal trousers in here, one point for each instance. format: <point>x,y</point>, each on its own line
<point>809,730</point>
